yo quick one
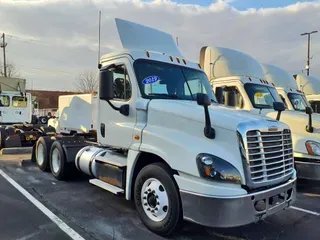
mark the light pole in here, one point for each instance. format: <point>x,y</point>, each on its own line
<point>308,56</point>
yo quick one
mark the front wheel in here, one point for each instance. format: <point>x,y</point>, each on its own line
<point>157,199</point>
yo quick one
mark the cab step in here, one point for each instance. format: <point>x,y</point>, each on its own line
<point>106,186</point>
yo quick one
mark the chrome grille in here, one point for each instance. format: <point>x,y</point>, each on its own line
<point>269,154</point>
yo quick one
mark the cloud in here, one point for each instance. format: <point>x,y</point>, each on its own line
<point>53,41</point>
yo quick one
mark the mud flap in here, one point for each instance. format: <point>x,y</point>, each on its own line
<point>33,155</point>
<point>71,146</point>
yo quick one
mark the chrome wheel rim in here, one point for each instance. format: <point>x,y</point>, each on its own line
<point>56,160</point>
<point>40,154</point>
<point>155,201</point>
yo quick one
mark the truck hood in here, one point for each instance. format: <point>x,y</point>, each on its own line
<point>297,120</point>
<point>221,116</point>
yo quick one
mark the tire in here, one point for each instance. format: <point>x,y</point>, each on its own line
<point>43,120</point>
<point>2,137</point>
<point>60,168</point>
<point>165,200</point>
<point>42,153</point>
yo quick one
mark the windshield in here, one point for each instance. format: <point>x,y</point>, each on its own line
<point>18,101</point>
<point>262,96</point>
<point>159,80</point>
<point>298,101</point>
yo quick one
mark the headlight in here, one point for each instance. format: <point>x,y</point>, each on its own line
<point>313,148</point>
<point>214,168</point>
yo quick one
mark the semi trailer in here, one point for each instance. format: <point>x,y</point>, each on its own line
<point>165,143</point>
<point>310,86</point>
<point>239,82</point>
<point>17,122</point>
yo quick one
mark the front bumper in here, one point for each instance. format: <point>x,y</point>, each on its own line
<point>308,169</point>
<point>215,211</point>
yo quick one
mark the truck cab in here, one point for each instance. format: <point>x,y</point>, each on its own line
<point>239,82</point>
<point>165,142</point>
<point>15,104</point>
<point>310,86</point>
<point>287,88</point>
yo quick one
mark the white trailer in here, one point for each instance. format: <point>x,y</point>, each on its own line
<point>164,142</point>
<point>310,86</point>
<point>236,74</point>
<point>70,107</point>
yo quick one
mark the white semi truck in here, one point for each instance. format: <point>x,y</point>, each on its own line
<point>17,127</point>
<point>240,82</point>
<point>310,86</point>
<point>287,88</point>
<point>164,142</point>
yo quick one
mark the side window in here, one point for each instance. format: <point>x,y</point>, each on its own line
<point>239,102</point>
<point>283,100</point>
<point>121,83</point>
<point>18,101</point>
<point>4,101</point>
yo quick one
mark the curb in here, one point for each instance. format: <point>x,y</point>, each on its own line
<point>22,150</point>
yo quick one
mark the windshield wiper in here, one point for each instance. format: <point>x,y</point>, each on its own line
<point>169,96</point>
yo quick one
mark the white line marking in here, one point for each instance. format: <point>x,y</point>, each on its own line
<point>305,210</point>
<point>64,227</point>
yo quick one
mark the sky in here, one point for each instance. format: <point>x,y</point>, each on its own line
<point>51,42</point>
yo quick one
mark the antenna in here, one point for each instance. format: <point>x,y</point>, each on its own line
<point>99,64</point>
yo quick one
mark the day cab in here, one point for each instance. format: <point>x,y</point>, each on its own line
<point>234,73</point>
<point>310,86</point>
<point>165,142</point>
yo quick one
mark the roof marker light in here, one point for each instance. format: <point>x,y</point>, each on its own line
<point>184,61</point>
<point>178,60</point>
<point>250,79</point>
<point>171,58</point>
<point>148,54</point>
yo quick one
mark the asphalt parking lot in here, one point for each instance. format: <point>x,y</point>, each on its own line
<point>92,213</point>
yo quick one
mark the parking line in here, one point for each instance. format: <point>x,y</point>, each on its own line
<point>305,210</point>
<point>63,226</point>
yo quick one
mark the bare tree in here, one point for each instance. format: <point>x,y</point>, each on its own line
<point>12,71</point>
<point>87,82</point>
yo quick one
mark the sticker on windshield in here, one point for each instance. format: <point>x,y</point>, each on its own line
<point>150,80</point>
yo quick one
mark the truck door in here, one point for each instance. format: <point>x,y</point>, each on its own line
<point>4,106</point>
<point>115,129</point>
<point>21,109</point>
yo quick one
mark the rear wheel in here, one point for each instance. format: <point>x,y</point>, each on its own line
<point>2,137</point>
<point>42,153</point>
<point>60,168</point>
<point>157,199</point>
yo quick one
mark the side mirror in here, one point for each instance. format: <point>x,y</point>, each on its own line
<point>105,85</point>
<point>219,94</point>
<point>231,98</point>
<point>203,99</point>
<point>309,127</point>
<point>279,107</point>
<point>309,110</point>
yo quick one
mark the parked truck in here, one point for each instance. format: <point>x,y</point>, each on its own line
<point>17,124</point>
<point>310,86</point>
<point>163,141</point>
<point>240,82</point>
